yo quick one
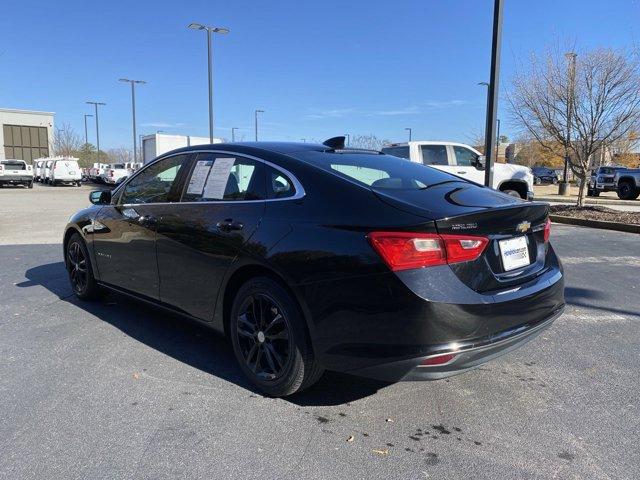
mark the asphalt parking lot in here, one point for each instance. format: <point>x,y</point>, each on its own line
<point>115,389</point>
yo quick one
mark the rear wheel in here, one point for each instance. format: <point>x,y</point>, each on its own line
<point>627,191</point>
<point>270,340</point>
<point>79,267</point>
<point>538,181</point>
<point>30,184</point>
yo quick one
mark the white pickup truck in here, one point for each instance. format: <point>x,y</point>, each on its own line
<point>16,172</point>
<point>466,162</point>
<point>114,172</point>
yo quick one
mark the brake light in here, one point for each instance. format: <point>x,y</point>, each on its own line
<point>547,230</point>
<point>407,250</point>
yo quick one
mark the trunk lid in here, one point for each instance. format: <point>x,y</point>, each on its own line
<point>461,208</point>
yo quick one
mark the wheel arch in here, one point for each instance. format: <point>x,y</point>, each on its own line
<point>519,186</point>
<point>628,178</point>
<point>237,278</point>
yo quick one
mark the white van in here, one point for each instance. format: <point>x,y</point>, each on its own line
<point>466,162</point>
<point>46,171</point>
<point>38,169</point>
<point>65,170</point>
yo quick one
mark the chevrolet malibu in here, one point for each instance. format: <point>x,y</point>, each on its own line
<point>316,257</point>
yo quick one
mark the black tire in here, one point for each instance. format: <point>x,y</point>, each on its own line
<point>554,181</point>
<point>30,185</point>
<point>283,360</point>
<point>78,265</point>
<point>627,191</point>
<point>538,181</point>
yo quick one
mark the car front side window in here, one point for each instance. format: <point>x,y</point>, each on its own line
<point>155,183</point>
<point>464,156</point>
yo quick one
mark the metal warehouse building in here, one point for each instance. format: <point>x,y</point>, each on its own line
<point>25,134</point>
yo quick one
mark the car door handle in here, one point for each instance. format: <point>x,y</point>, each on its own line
<point>461,173</point>
<point>228,224</point>
<point>147,220</point>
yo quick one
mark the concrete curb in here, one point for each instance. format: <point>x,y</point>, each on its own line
<point>587,201</point>
<point>620,227</point>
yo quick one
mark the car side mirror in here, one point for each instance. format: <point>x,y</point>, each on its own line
<point>481,161</point>
<point>100,197</point>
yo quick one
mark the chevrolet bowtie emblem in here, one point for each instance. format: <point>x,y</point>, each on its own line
<point>523,226</point>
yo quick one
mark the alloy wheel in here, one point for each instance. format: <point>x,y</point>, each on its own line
<point>77,267</point>
<point>264,336</point>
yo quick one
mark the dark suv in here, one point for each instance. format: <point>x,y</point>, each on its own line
<point>544,175</point>
<point>601,180</point>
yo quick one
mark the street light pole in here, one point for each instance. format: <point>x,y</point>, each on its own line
<point>409,130</point>
<point>209,30</point>
<point>563,187</point>
<point>86,136</point>
<point>256,121</point>
<point>133,112</point>
<point>348,139</point>
<point>233,133</point>
<point>492,97</point>
<point>497,138</point>
<point>95,104</point>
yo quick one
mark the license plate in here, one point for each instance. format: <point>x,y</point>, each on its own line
<point>514,252</point>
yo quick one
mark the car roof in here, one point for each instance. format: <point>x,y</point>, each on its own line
<point>248,147</point>
<point>427,142</point>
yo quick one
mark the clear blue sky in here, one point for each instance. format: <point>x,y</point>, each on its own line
<point>317,68</point>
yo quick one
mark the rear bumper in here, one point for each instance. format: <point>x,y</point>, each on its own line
<point>17,179</point>
<point>468,355</point>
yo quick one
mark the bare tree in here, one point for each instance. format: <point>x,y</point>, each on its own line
<point>602,98</point>
<point>370,142</point>
<point>65,141</point>
<point>119,155</point>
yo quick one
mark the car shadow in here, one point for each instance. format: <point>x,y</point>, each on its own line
<point>188,341</point>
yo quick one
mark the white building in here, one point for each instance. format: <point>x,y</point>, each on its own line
<point>159,143</point>
<point>25,134</point>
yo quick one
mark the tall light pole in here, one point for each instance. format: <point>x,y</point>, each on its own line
<point>563,187</point>
<point>497,138</point>
<point>95,104</point>
<point>348,139</point>
<point>133,112</point>
<point>233,133</point>
<point>256,121</point>
<point>409,130</point>
<point>86,136</point>
<point>492,97</point>
<point>209,30</point>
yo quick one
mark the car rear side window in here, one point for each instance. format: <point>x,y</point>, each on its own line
<point>434,154</point>
<point>222,177</point>
<point>279,185</point>
<point>154,184</point>
<point>401,152</point>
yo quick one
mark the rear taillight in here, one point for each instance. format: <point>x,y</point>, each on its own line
<point>547,230</point>
<point>407,250</point>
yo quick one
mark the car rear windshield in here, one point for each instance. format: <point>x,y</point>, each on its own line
<point>379,171</point>
<point>14,165</point>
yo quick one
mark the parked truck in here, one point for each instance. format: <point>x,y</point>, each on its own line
<point>627,183</point>
<point>16,172</point>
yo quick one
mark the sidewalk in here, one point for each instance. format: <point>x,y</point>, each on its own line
<point>549,193</point>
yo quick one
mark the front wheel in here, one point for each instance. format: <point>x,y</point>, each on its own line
<point>79,267</point>
<point>270,340</point>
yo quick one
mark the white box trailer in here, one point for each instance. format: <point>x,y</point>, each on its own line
<point>159,143</point>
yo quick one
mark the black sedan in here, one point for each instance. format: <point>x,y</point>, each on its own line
<point>316,257</point>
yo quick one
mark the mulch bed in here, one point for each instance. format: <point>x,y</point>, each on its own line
<point>596,213</point>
